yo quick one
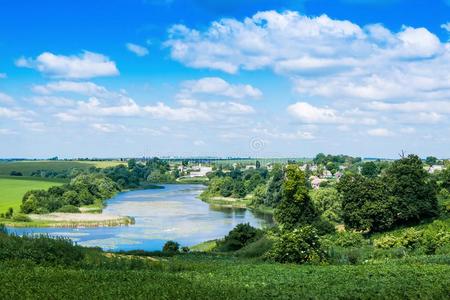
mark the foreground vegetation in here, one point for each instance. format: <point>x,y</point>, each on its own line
<point>55,268</point>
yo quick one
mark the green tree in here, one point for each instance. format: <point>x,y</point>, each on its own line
<point>238,237</point>
<point>431,160</point>
<point>296,207</point>
<point>413,191</point>
<point>365,203</point>
<point>328,204</point>
<point>71,197</point>
<point>369,169</point>
<point>171,247</point>
<point>300,245</point>
<point>274,186</point>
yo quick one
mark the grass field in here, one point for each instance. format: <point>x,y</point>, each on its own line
<point>27,167</point>
<point>209,277</point>
<point>12,190</point>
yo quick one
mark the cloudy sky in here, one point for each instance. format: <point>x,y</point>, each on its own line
<point>276,78</point>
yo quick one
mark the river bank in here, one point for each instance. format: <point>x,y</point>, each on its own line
<point>235,203</point>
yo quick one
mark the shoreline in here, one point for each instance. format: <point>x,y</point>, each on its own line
<point>235,203</point>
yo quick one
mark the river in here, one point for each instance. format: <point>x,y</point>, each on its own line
<point>173,213</point>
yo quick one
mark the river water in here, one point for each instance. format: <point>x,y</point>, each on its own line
<point>173,213</point>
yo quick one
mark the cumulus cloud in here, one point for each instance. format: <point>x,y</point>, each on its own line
<point>310,114</point>
<point>108,128</point>
<point>380,132</point>
<point>218,86</point>
<point>333,60</point>
<point>137,49</point>
<point>82,66</point>
<point>289,41</point>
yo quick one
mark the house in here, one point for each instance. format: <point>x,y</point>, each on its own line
<point>316,181</point>
<point>435,168</point>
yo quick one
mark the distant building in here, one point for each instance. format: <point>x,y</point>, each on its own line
<point>316,181</point>
<point>435,168</point>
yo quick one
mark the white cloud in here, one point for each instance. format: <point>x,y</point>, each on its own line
<point>199,143</point>
<point>328,59</point>
<point>380,132</point>
<point>86,65</point>
<point>7,131</point>
<point>289,41</point>
<point>446,26</point>
<point>137,49</point>
<point>82,88</point>
<point>308,113</point>
<point>51,101</point>
<point>218,86</point>
<point>6,99</point>
<point>108,128</point>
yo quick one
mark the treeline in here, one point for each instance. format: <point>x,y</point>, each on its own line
<point>85,189</point>
<point>132,175</point>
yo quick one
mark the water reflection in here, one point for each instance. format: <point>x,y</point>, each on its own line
<point>172,213</point>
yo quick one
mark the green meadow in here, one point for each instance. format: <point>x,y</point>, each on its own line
<point>27,167</point>
<point>12,190</point>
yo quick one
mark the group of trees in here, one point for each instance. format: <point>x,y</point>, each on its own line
<point>403,194</point>
<point>136,173</point>
<point>84,189</point>
<point>236,183</point>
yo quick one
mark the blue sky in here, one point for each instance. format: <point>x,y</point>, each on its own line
<point>221,78</point>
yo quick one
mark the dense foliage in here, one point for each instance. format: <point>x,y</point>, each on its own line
<point>239,237</point>
<point>296,207</point>
<point>404,194</point>
<point>84,189</point>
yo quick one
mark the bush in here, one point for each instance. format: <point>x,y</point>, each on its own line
<point>349,239</point>
<point>298,246</point>
<point>15,173</point>
<point>69,209</point>
<point>238,237</point>
<point>21,218</point>
<point>323,226</point>
<point>171,247</point>
<point>40,250</point>
<point>256,249</point>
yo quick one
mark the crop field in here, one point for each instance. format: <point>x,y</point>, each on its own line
<point>192,277</point>
<point>12,190</point>
<point>27,167</point>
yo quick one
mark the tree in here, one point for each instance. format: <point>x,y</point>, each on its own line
<point>71,197</point>
<point>365,203</point>
<point>171,247</point>
<point>131,163</point>
<point>258,164</point>
<point>296,207</point>
<point>369,169</point>
<point>328,204</point>
<point>431,160</point>
<point>275,183</point>
<point>412,189</point>
<point>297,246</point>
<point>238,237</point>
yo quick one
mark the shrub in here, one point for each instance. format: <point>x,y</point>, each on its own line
<point>238,237</point>
<point>171,247</point>
<point>15,173</point>
<point>21,218</point>
<point>349,239</point>
<point>298,246</point>
<point>69,209</point>
<point>323,226</point>
<point>257,248</point>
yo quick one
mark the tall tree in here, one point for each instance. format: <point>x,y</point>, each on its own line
<point>296,207</point>
<point>413,190</point>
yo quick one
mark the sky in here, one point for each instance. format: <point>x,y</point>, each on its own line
<point>267,78</point>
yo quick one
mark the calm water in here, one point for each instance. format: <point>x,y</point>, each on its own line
<point>172,213</point>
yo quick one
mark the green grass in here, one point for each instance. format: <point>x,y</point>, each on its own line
<point>207,246</point>
<point>210,277</point>
<point>12,190</point>
<point>27,167</point>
